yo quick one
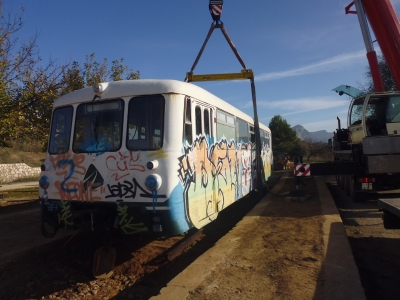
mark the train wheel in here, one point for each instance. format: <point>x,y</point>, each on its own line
<point>48,229</point>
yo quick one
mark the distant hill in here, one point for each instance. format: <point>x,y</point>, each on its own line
<point>304,134</point>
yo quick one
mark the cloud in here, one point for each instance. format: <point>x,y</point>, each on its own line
<point>300,105</point>
<point>334,63</point>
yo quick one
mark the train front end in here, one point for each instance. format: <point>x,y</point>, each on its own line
<point>109,166</point>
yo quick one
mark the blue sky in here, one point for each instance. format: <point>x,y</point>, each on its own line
<point>298,50</point>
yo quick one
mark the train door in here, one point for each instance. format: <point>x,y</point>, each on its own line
<point>204,134</point>
<point>201,204</point>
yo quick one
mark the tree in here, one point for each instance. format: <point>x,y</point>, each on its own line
<point>284,139</point>
<point>28,86</point>
<point>316,148</point>
<point>94,72</point>
<point>388,81</point>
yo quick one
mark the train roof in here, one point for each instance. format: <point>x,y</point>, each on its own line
<point>130,88</point>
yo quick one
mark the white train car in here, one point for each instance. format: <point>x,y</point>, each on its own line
<point>146,156</point>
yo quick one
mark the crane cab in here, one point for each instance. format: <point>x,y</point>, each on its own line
<point>374,115</point>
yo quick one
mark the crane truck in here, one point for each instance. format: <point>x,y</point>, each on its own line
<point>367,152</point>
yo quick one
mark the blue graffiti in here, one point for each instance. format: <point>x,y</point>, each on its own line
<point>99,145</point>
<point>72,164</point>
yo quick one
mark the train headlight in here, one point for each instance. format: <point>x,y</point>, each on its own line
<point>98,88</point>
<point>151,165</point>
<point>45,167</point>
<point>44,182</point>
<point>153,182</point>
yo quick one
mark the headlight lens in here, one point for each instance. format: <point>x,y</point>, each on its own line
<point>44,182</point>
<point>153,182</point>
<point>151,165</point>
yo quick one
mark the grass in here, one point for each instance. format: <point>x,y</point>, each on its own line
<point>14,156</point>
<point>27,194</point>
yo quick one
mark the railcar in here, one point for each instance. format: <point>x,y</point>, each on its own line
<point>141,156</point>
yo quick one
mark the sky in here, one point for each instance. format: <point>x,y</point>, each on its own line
<point>298,50</point>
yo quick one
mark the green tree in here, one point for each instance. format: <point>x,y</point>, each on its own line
<point>95,72</point>
<point>388,81</point>
<point>28,86</point>
<point>284,139</point>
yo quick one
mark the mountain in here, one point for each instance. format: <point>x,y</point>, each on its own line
<point>304,134</point>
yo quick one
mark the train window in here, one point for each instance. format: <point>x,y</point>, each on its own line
<point>145,123</point>
<point>242,131</point>
<point>252,135</point>
<point>98,127</point>
<point>225,126</point>
<point>60,130</point>
<point>206,122</point>
<point>230,119</point>
<point>221,116</point>
<point>188,122</point>
<point>265,139</point>
<point>188,112</point>
<point>197,112</point>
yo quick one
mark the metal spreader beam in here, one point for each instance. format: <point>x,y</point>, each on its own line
<point>215,8</point>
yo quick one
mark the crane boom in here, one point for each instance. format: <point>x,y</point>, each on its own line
<point>385,24</point>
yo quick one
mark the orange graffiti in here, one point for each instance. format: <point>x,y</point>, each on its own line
<point>124,163</point>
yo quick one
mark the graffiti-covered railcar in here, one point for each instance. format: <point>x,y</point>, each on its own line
<point>146,156</point>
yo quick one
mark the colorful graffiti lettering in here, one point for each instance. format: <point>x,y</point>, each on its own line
<point>124,163</point>
<point>65,215</point>
<point>215,176</point>
<point>127,223</point>
<point>128,190</point>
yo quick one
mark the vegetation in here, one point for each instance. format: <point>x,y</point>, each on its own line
<point>29,86</point>
<point>27,194</point>
<point>19,154</point>
<point>316,151</point>
<point>284,140</point>
<point>388,81</point>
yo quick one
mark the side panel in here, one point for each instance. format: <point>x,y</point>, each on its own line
<point>383,163</point>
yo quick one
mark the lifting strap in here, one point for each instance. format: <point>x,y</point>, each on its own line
<point>215,8</point>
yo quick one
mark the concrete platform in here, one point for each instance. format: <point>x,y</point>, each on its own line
<point>341,277</point>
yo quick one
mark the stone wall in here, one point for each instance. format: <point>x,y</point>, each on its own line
<point>13,172</point>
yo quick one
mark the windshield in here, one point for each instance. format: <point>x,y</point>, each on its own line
<point>60,130</point>
<point>98,127</point>
<point>393,110</point>
<point>375,116</point>
<point>145,123</point>
<point>356,112</point>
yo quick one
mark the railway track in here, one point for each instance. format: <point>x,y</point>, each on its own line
<point>64,270</point>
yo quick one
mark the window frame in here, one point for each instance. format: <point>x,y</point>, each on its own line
<point>149,125</point>
<point>97,112</point>
<point>52,139</point>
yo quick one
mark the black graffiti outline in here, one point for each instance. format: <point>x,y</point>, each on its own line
<point>129,187</point>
